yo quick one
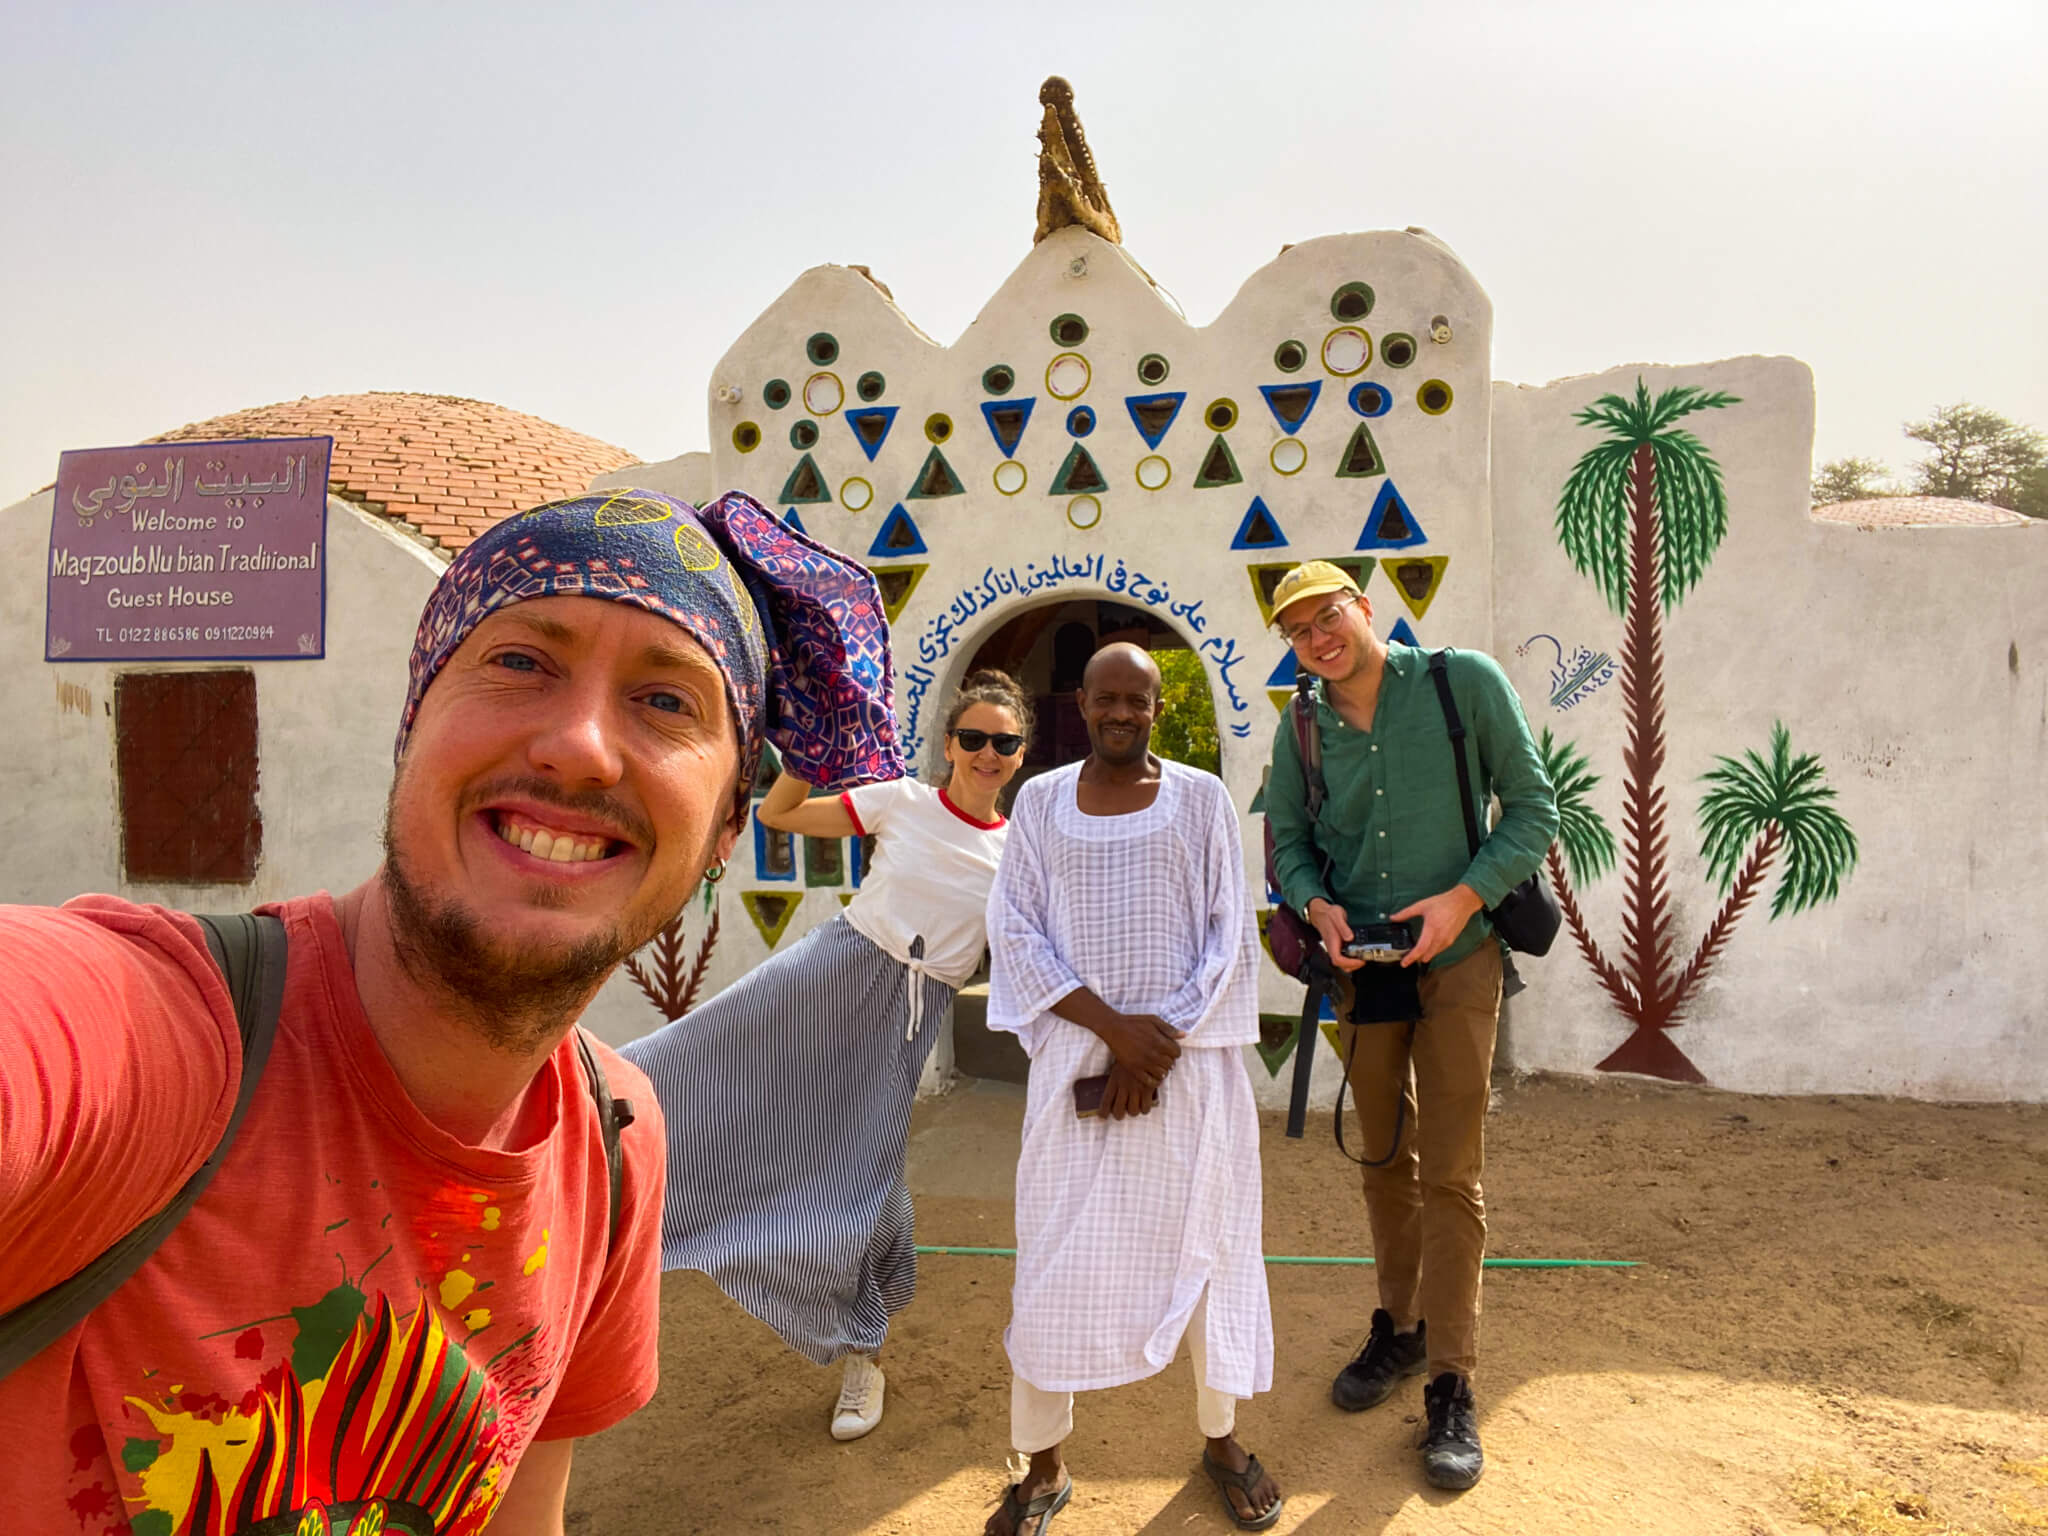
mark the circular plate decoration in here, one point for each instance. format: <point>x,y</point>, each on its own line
<point>1288,456</point>
<point>869,386</point>
<point>803,434</point>
<point>776,393</point>
<point>1289,356</point>
<point>1154,472</point>
<point>1346,351</point>
<point>1351,302</point>
<point>1397,349</point>
<point>856,495</point>
<point>746,436</point>
<point>1370,399</point>
<point>1084,512</point>
<point>1153,369</point>
<point>1080,421</point>
<point>1000,379</point>
<point>823,394</point>
<point>1069,331</point>
<point>1010,477</point>
<point>822,349</point>
<point>938,427</point>
<point>1434,397</point>
<point>1221,415</point>
<point>1067,376</point>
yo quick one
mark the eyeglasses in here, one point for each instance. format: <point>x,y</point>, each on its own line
<point>1325,619</point>
<point>1006,743</point>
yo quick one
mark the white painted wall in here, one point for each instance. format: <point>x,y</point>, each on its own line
<point>324,728</point>
<point>1912,662</point>
<point>1169,549</point>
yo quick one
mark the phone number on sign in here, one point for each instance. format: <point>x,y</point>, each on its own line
<point>171,634</point>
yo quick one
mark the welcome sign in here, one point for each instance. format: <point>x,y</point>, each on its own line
<point>190,552</point>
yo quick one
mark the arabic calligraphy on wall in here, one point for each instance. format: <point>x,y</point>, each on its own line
<point>213,551</point>
<point>998,585</point>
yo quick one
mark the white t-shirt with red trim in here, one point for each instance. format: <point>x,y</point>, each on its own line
<point>932,868</point>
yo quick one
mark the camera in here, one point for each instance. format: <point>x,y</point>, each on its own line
<point>1381,941</point>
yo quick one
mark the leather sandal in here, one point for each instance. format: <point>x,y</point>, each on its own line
<point>1041,1509</point>
<point>1244,1482</point>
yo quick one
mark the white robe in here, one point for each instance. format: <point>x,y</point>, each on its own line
<point>1121,1224</point>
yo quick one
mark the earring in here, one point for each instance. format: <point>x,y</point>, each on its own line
<point>715,873</point>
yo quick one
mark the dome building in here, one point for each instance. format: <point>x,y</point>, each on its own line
<point>217,785</point>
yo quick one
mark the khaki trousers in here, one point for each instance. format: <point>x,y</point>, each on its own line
<point>1425,1206</point>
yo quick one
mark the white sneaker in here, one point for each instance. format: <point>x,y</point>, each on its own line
<point>860,1399</point>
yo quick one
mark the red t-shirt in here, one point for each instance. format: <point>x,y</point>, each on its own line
<point>360,1308</point>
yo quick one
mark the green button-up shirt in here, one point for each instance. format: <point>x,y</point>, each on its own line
<point>1390,829</point>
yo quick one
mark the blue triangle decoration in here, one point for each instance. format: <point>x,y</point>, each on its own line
<point>1285,674</point>
<point>1007,420</point>
<point>898,536</point>
<point>1403,633</point>
<point>1260,529</point>
<point>1291,403</point>
<point>1152,415</point>
<point>870,427</point>
<point>1390,525</point>
<point>794,521</point>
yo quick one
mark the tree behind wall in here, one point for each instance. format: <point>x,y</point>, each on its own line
<point>1980,455</point>
<point>1849,480</point>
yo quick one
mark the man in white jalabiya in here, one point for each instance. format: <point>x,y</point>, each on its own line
<point>1121,944</point>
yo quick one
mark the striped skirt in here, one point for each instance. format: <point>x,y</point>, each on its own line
<point>788,1100</point>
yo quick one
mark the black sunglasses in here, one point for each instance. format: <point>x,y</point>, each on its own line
<point>1006,743</point>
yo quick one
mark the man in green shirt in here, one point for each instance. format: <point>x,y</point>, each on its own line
<point>1390,846</point>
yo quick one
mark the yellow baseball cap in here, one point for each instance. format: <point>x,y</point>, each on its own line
<point>1314,578</point>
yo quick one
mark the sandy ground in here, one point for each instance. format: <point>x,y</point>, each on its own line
<point>1840,1322</point>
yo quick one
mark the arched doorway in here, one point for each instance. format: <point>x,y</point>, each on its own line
<point>1045,648</point>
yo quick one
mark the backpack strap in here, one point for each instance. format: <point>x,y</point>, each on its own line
<point>1440,674</point>
<point>251,954</point>
<point>613,1116</point>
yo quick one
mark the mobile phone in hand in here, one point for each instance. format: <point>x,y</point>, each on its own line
<point>1088,1092</point>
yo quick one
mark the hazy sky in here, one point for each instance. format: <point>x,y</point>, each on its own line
<point>574,210</point>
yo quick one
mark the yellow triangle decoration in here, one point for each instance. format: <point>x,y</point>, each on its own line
<point>771,912</point>
<point>1416,579</point>
<point>897,583</point>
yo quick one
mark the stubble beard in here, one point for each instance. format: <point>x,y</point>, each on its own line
<point>516,1000</point>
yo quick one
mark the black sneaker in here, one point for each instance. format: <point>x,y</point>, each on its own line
<point>1386,1358</point>
<point>1451,1457</point>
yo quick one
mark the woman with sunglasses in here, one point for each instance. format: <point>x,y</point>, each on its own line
<point>788,1095</point>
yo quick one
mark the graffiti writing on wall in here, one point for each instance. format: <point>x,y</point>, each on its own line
<point>1574,678</point>
<point>944,631</point>
<point>1643,513</point>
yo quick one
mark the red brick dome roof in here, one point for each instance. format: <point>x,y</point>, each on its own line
<point>447,467</point>
<point>1916,512</point>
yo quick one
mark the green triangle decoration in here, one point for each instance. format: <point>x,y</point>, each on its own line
<point>847,896</point>
<point>897,583</point>
<point>805,483</point>
<point>1219,467</point>
<point>771,912</point>
<point>1079,475</point>
<point>936,479</point>
<point>1276,1033</point>
<point>1361,457</point>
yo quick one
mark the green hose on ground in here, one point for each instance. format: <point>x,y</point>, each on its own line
<point>1308,1258</point>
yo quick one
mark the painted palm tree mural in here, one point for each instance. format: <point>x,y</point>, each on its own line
<point>1643,513</point>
